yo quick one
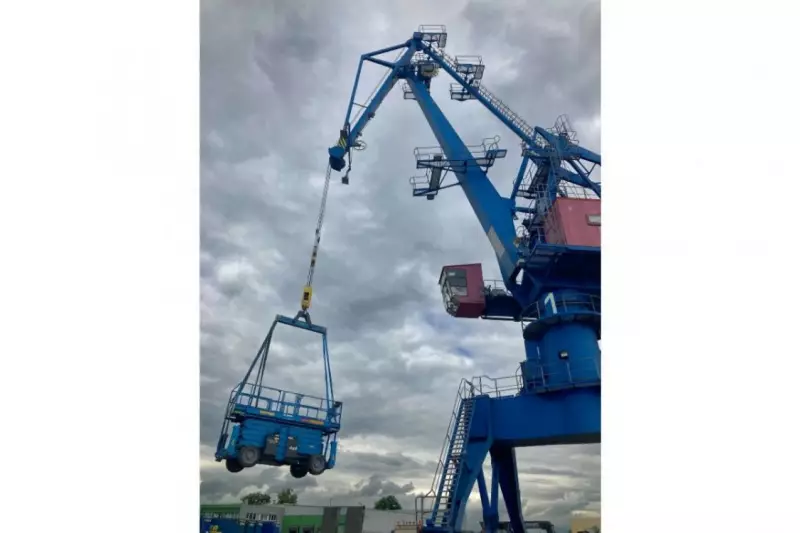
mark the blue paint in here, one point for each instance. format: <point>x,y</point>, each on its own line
<point>552,288</point>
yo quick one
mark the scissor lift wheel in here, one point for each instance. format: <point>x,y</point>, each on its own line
<point>248,456</point>
<point>298,471</point>
<point>233,466</point>
<point>316,465</point>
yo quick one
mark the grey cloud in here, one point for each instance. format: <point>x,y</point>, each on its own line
<point>559,56</point>
<point>219,485</point>
<point>275,79</point>
<point>376,487</point>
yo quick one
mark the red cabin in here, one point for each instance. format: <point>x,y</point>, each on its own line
<point>463,290</point>
<point>573,222</point>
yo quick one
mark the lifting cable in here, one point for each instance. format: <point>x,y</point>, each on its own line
<point>305,302</point>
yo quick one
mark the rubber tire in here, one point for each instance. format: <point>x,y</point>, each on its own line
<point>298,471</point>
<point>233,466</point>
<point>248,456</point>
<point>316,465</point>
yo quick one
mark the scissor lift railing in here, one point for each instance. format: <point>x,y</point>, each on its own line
<point>260,400</point>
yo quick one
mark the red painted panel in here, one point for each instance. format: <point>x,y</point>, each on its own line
<point>568,222</point>
<point>474,282</point>
<point>470,309</point>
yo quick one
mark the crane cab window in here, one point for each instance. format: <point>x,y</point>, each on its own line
<point>454,288</point>
<point>455,282</point>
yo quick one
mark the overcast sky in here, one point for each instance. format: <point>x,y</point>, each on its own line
<point>275,81</point>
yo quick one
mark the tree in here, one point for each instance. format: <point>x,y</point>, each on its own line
<point>287,497</point>
<point>388,503</point>
<point>256,498</point>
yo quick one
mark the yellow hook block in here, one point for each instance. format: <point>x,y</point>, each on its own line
<point>305,303</point>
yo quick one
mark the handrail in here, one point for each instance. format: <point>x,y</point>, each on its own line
<point>574,372</point>
<point>280,402</point>
<point>561,303</point>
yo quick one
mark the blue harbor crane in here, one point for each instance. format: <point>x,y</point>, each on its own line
<point>546,237</point>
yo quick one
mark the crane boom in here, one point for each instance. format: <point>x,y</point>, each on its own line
<point>556,156</point>
<point>491,209</point>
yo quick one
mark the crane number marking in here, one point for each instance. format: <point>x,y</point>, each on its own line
<point>550,299</point>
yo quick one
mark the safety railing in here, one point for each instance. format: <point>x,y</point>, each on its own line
<point>433,34</point>
<point>471,67</point>
<point>431,157</point>
<point>496,387</point>
<point>528,236</point>
<point>531,230</point>
<point>420,183</point>
<point>460,94</point>
<point>563,128</point>
<point>569,372</point>
<point>570,190</point>
<point>495,287</point>
<point>529,188</point>
<point>285,404</point>
<point>539,192</point>
<point>561,303</point>
<point>423,506</point>
<point>493,100</point>
<point>482,155</point>
<point>469,389</point>
<point>465,392</point>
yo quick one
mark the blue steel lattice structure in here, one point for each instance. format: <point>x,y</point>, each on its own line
<point>548,252</point>
<point>274,427</point>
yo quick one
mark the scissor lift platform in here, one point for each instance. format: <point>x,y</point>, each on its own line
<point>271,426</point>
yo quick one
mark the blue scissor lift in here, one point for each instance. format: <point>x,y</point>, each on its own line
<point>269,426</point>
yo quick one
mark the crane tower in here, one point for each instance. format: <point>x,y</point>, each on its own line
<point>546,237</point>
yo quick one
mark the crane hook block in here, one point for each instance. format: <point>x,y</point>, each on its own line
<point>305,303</point>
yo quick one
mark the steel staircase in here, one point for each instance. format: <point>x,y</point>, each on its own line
<point>451,459</point>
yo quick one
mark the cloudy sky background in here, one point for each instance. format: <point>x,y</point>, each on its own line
<point>275,81</point>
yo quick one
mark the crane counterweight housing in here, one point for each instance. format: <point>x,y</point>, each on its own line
<point>546,239</point>
<point>274,427</point>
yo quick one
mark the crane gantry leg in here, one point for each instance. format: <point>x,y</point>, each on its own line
<point>494,419</point>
